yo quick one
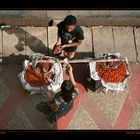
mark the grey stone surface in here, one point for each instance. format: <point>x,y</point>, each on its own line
<point>57,14</point>
<point>80,13</point>
<point>33,13</point>
<point>102,40</point>
<point>19,120</point>
<point>82,120</point>
<point>100,13</point>
<point>23,13</point>
<point>137,38</point>
<point>36,40</point>
<point>13,44</point>
<point>60,14</point>
<point>124,42</point>
<point>52,38</point>
<point>13,41</point>
<point>135,120</point>
<point>85,49</point>
<point>125,13</point>
<point>110,103</point>
<point>4,93</point>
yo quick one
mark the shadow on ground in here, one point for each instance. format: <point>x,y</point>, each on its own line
<point>35,45</point>
<point>30,41</point>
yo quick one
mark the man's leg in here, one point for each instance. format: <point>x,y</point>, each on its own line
<point>65,53</point>
<point>71,54</point>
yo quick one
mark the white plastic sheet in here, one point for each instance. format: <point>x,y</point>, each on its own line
<point>110,86</point>
<point>53,86</point>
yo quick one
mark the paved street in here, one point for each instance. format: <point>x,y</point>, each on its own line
<point>92,110</point>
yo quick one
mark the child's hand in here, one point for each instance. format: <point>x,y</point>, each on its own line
<point>64,66</point>
<point>69,69</point>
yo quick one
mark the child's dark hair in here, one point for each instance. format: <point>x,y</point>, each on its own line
<point>67,88</point>
<point>70,20</point>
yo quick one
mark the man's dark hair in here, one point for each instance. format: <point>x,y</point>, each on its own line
<point>70,20</point>
<point>67,89</point>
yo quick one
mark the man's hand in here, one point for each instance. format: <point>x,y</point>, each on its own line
<point>57,49</point>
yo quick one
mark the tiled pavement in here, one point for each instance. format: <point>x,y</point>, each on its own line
<point>92,110</point>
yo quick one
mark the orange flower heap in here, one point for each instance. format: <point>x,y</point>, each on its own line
<point>109,74</point>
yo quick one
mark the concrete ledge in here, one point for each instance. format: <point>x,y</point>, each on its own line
<point>88,22</point>
<point>24,22</point>
<point>109,22</point>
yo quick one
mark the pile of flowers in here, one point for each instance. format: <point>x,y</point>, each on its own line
<point>111,74</point>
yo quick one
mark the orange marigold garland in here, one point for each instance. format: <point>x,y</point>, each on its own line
<point>110,74</point>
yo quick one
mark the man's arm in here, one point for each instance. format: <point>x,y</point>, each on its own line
<point>72,44</point>
<point>70,71</point>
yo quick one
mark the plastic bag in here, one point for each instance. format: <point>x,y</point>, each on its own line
<point>55,83</point>
<point>110,86</point>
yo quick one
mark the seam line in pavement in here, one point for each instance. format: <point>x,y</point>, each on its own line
<point>113,38</point>
<point>136,50</point>
<point>92,43</point>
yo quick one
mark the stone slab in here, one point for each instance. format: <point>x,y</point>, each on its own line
<point>13,44</point>
<point>52,38</point>
<point>124,42</point>
<point>36,40</point>
<point>102,40</point>
<point>85,49</point>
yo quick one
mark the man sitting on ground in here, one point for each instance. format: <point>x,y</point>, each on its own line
<point>70,36</point>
